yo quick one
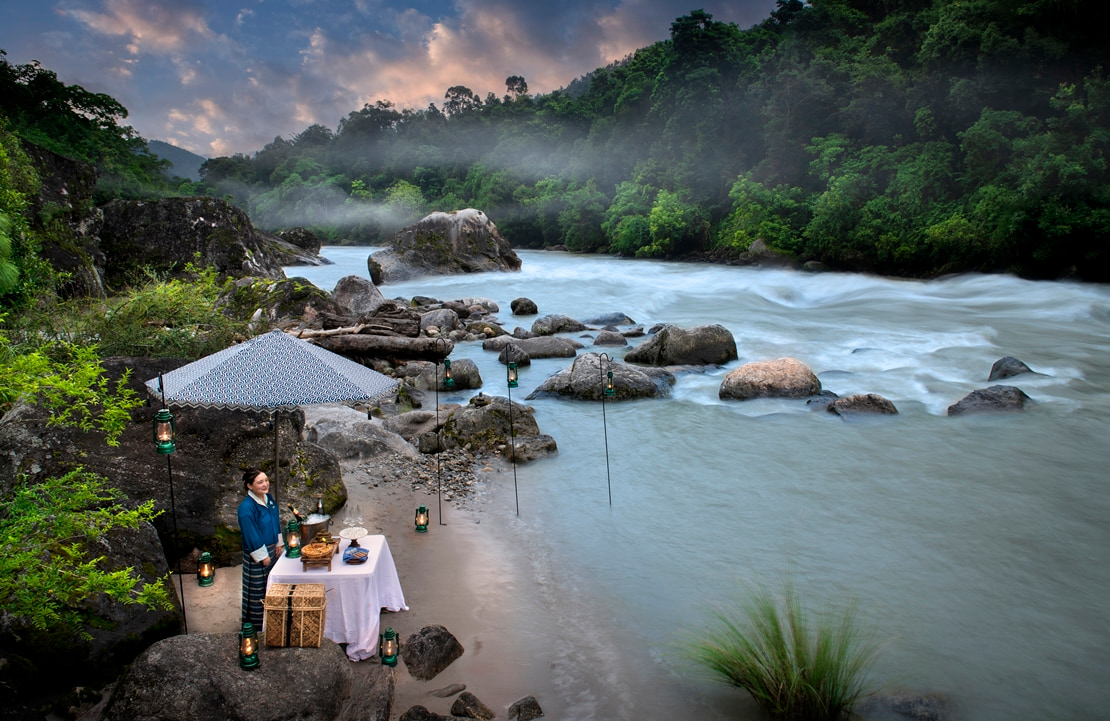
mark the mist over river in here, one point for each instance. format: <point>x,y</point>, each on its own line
<point>977,547</point>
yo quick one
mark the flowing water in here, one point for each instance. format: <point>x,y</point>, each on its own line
<point>976,547</point>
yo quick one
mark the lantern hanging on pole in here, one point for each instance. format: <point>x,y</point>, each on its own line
<point>448,381</point>
<point>609,391</point>
<point>422,519</point>
<point>165,432</point>
<point>206,570</point>
<point>293,539</point>
<point>388,647</point>
<point>512,375</point>
<point>248,647</point>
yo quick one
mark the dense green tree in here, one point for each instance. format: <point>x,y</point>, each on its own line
<point>903,136</point>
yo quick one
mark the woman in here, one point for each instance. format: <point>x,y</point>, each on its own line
<point>261,528</point>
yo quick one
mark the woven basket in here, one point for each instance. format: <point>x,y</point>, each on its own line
<point>317,551</point>
<point>295,614</point>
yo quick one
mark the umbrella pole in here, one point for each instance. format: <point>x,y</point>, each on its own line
<point>277,438</point>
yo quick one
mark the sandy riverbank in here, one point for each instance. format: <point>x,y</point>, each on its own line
<point>457,575</point>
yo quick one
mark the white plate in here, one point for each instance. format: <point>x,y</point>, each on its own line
<point>353,533</point>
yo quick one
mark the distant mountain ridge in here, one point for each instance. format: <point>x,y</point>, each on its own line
<point>184,163</point>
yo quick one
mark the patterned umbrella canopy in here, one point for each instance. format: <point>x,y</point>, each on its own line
<point>273,370</point>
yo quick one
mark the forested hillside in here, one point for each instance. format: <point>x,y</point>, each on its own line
<point>902,136</point>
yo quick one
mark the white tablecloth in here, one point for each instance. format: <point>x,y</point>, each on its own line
<point>360,592</point>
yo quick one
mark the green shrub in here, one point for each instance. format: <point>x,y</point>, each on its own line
<point>796,666</point>
<point>48,574</point>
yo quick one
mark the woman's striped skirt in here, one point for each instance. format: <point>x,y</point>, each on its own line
<point>254,587</point>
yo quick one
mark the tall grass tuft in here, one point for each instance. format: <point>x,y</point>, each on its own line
<point>796,666</point>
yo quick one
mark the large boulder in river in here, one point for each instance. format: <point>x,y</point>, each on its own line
<point>779,378</point>
<point>198,677</point>
<point>703,345</point>
<point>169,233</point>
<point>464,241</point>
<point>302,238</point>
<point>1007,367</point>
<point>861,404</point>
<point>992,399</point>
<point>357,294</point>
<point>558,323</point>
<point>585,380</point>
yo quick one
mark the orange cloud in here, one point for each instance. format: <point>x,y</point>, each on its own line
<point>149,27</point>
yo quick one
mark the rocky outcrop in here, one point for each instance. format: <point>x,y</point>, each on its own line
<point>429,651</point>
<point>990,400</point>
<point>610,338</point>
<point>862,403</point>
<point>585,380</point>
<point>302,238</point>
<point>1007,367</point>
<point>487,423</point>
<point>524,306</point>
<point>286,301</point>
<point>213,448</point>
<point>423,375</point>
<point>349,434</point>
<point>185,678</point>
<point>552,324</point>
<point>358,295</point>
<point>64,201</point>
<point>439,322</point>
<point>703,345</point>
<point>780,378</point>
<point>467,705</point>
<point>610,319</point>
<point>464,241</point>
<point>758,253</point>
<point>526,709</point>
<point>170,233</point>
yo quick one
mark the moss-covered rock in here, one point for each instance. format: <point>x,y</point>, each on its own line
<point>464,241</point>
<point>270,301</point>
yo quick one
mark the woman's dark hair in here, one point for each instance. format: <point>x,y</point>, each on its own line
<point>249,475</point>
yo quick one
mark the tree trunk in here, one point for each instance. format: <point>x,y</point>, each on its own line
<point>361,347</point>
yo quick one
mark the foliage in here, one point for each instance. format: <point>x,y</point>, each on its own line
<point>795,665</point>
<point>76,123</point>
<point>50,562</point>
<point>173,318</point>
<point>856,134</point>
<point>68,380</point>
<point>23,274</point>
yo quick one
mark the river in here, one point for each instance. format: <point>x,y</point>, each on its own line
<point>977,548</point>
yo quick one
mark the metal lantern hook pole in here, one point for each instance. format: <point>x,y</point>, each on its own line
<point>606,390</point>
<point>511,381</point>
<point>173,514</point>
<point>439,436</point>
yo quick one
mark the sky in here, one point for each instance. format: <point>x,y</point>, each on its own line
<point>219,77</point>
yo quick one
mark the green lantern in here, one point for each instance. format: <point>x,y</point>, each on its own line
<point>511,375</point>
<point>206,570</point>
<point>388,647</point>
<point>422,519</point>
<point>293,539</point>
<point>609,385</point>
<point>248,647</point>
<point>448,381</point>
<point>165,432</point>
